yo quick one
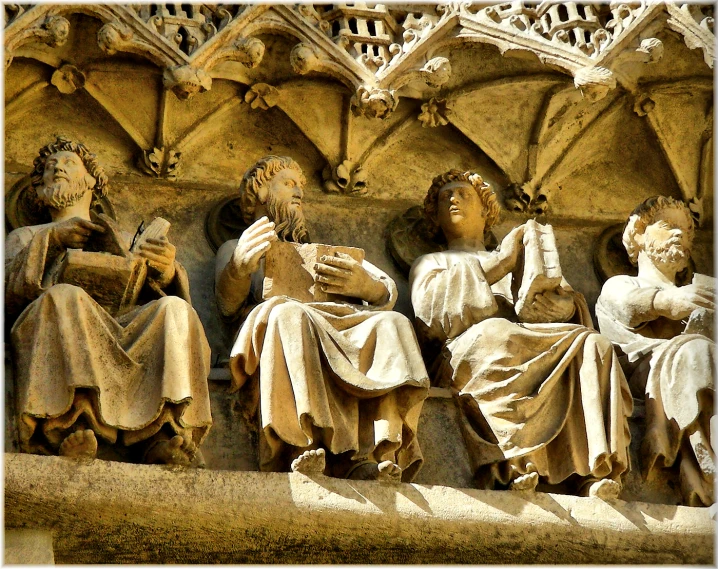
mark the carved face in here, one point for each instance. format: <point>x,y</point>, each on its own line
<point>286,188</point>
<point>284,205</point>
<point>666,241</point>
<point>65,180</point>
<point>460,211</point>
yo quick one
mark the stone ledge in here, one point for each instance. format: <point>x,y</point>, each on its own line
<point>102,512</point>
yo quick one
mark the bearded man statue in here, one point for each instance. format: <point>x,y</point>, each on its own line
<point>138,377</point>
<point>341,384</point>
<point>664,333</point>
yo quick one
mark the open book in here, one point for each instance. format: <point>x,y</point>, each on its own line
<point>107,269</point>
<point>289,270</point>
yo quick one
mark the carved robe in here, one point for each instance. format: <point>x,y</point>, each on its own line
<point>346,375</point>
<point>549,398</point>
<point>146,368</point>
<point>673,370</point>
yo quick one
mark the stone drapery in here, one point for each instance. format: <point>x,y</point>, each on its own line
<point>549,398</point>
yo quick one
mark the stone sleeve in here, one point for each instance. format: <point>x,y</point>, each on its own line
<point>627,302</point>
<point>450,297</point>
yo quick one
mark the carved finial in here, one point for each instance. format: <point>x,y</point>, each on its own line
<point>161,162</point>
<point>345,179</point>
<point>53,32</point>
<point>184,81</point>
<point>303,58</point>
<point>594,82</point>
<point>68,79</point>
<point>653,48</point>
<point>250,52</point>
<point>57,31</point>
<point>436,72</point>
<point>517,199</point>
<point>114,37</point>
<point>434,113</point>
<point>262,96</point>
<point>374,103</point>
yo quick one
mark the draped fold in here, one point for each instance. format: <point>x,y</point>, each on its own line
<point>548,397</point>
<point>349,374</point>
<point>63,340</point>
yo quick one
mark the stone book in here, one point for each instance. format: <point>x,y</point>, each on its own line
<point>541,270</point>
<point>289,270</point>
<point>110,272</point>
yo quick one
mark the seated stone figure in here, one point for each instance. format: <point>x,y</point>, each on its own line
<point>139,377</point>
<point>665,335</point>
<point>341,384</point>
<point>541,394</point>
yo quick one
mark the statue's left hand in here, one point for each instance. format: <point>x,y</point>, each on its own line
<point>160,255</point>
<point>550,306</point>
<point>343,275</point>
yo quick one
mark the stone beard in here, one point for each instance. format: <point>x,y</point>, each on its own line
<point>290,221</point>
<point>62,193</point>
<point>667,253</point>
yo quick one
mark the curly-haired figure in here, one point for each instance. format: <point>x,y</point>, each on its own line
<point>138,378</point>
<point>341,384</point>
<point>541,393</point>
<point>664,333</point>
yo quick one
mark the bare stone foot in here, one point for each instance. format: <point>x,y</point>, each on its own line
<point>168,452</point>
<point>80,444</point>
<point>389,472</point>
<point>310,462</point>
<point>525,482</point>
<point>605,489</point>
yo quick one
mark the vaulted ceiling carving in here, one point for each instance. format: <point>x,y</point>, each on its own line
<point>381,69</point>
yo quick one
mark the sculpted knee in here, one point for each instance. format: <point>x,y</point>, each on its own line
<point>288,313</point>
<point>60,294</point>
<point>173,303</point>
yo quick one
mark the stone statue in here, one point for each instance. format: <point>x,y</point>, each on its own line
<point>542,395</point>
<point>665,335</point>
<point>137,372</point>
<point>341,382</point>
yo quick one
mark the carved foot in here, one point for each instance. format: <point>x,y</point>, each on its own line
<point>80,444</point>
<point>389,472</point>
<point>310,462</point>
<point>525,482</point>
<point>168,452</point>
<point>604,489</point>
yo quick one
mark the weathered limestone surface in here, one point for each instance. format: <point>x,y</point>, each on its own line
<point>113,512</point>
<point>28,547</point>
<point>573,112</point>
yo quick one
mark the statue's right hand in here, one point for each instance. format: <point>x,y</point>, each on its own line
<point>74,233</point>
<point>677,303</point>
<point>251,247</point>
<point>512,244</point>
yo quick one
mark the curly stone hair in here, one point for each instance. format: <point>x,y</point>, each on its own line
<point>63,144</point>
<point>645,214</point>
<point>259,174</point>
<point>484,191</point>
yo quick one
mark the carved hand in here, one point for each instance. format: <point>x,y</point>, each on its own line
<point>74,233</point>
<point>341,274</point>
<point>677,303</point>
<point>251,247</point>
<point>550,306</point>
<point>512,245</point>
<point>160,255</point>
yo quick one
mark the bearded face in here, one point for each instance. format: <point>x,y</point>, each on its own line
<point>288,218</point>
<point>65,180</point>
<point>63,193</point>
<point>666,241</point>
